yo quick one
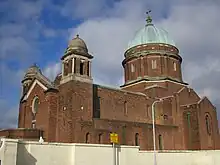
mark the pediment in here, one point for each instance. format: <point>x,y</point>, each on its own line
<point>33,84</point>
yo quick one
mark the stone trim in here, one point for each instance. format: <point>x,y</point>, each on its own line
<point>181,89</point>
<point>121,90</point>
<point>188,105</point>
<point>76,77</point>
<point>74,52</point>
<point>135,82</point>
<point>155,86</point>
<point>136,124</point>
<point>152,55</point>
<point>203,98</point>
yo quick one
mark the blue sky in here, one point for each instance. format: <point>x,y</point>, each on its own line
<point>39,30</point>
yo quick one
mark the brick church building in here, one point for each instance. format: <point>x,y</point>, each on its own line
<point>72,109</point>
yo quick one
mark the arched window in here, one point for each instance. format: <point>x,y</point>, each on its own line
<point>160,142</point>
<point>154,64</point>
<point>74,67</point>
<point>100,138</point>
<point>35,105</point>
<point>65,68</point>
<point>87,137</point>
<point>189,130</point>
<point>88,68</point>
<point>81,68</point>
<point>132,68</point>
<point>208,124</point>
<point>136,139</point>
<point>174,66</point>
<point>189,119</point>
<point>123,142</point>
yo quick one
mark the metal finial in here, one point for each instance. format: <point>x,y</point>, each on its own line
<point>148,12</point>
<point>77,36</point>
<point>34,64</point>
<point>149,19</point>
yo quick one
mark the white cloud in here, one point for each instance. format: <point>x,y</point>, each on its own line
<point>51,70</point>
<point>196,34</point>
<point>9,116</point>
<point>193,24</point>
<point>83,8</point>
<point>20,29</point>
<point>9,76</point>
<point>9,46</point>
<point>49,32</point>
<point>107,40</point>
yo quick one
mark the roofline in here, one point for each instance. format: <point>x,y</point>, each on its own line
<point>35,81</point>
<point>147,80</point>
<point>149,44</point>
<point>77,53</point>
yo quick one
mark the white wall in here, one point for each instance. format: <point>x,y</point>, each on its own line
<point>15,152</point>
<point>8,152</point>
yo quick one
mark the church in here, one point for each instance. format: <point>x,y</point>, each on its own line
<point>72,109</point>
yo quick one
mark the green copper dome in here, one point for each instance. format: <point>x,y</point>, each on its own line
<point>151,34</point>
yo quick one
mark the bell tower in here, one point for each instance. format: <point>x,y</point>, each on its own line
<point>29,76</point>
<point>76,62</point>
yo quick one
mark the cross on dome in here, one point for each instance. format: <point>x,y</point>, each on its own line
<point>149,19</point>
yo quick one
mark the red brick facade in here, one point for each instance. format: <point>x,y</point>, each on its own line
<point>74,110</point>
<point>162,61</point>
<point>21,133</point>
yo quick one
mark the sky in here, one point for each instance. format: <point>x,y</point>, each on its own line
<point>38,31</point>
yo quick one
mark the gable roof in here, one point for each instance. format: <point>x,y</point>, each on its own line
<point>31,87</point>
<point>206,99</point>
<point>154,86</point>
<point>40,80</point>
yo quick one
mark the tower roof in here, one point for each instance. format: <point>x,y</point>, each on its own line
<point>150,34</point>
<point>33,69</point>
<point>78,44</point>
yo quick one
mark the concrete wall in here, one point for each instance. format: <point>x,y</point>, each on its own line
<point>16,152</point>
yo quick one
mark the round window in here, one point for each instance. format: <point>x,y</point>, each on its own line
<point>35,105</point>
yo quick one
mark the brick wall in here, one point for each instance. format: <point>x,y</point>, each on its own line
<point>42,117</point>
<point>87,113</point>
<point>208,141</point>
<point>191,127</point>
<point>52,98</point>
<point>22,133</point>
<point>75,104</point>
<point>139,62</point>
<point>171,87</point>
<point>124,106</point>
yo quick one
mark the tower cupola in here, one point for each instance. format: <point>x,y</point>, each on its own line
<point>76,61</point>
<point>77,44</point>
